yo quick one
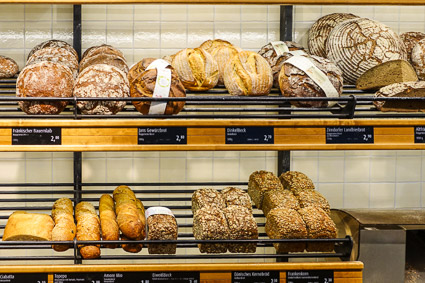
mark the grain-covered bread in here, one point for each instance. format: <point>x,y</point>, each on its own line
<point>248,73</point>
<point>319,226</point>
<point>145,85</point>
<point>54,43</point>
<point>273,50</point>
<point>88,229</point>
<point>8,67</point>
<point>108,220</point>
<point>320,30</point>
<point>104,58</point>
<point>209,223</point>
<point>101,81</point>
<point>406,89</point>
<point>285,223</point>
<point>418,59</point>
<point>23,226</point>
<point>207,198</point>
<point>277,198</point>
<point>310,76</point>
<point>211,44</point>
<point>410,39</point>
<point>102,49</point>
<point>307,198</point>
<point>260,182</point>
<point>197,69</point>
<point>55,55</point>
<point>387,73</point>
<point>162,225</point>
<point>242,226</point>
<point>44,79</point>
<point>236,196</point>
<point>359,44</point>
<point>222,55</point>
<point>65,228</point>
<point>296,181</point>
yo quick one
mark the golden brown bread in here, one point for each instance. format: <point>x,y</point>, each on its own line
<point>108,220</point>
<point>8,67</point>
<point>222,55</point>
<point>127,213</point>
<point>65,229</point>
<point>137,69</point>
<point>88,229</point>
<point>135,248</point>
<point>211,44</point>
<point>23,226</point>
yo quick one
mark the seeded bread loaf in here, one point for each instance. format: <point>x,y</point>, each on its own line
<point>410,39</point>
<point>395,71</point>
<point>236,196</point>
<point>260,182</point>
<point>55,55</point>
<point>277,198</point>
<point>54,43</point>
<point>406,89</point>
<point>296,181</point>
<point>65,229</point>
<point>207,198</point>
<point>307,198</point>
<point>108,220</point>
<point>162,225</point>
<point>242,226</point>
<point>23,226</point>
<point>8,67</point>
<point>209,223</point>
<point>88,229</point>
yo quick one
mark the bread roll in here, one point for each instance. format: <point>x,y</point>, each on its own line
<point>88,229</point>
<point>273,50</point>
<point>55,55</point>
<point>127,213</point>
<point>207,198</point>
<point>197,69</point>
<point>247,73</point>
<point>104,58</point>
<point>44,79</point>
<point>277,198</point>
<point>146,85</point>
<point>162,225</point>
<point>310,76</point>
<point>209,223</point>
<point>101,81</point>
<point>8,67</point>
<point>65,229</point>
<point>406,89</point>
<point>320,30</point>
<point>211,44</point>
<point>23,226</point>
<point>236,196</point>
<point>222,55</point>
<point>359,44</point>
<point>54,43</point>
<point>102,49</point>
<point>259,183</point>
<point>296,181</point>
<point>108,220</point>
<point>410,39</point>
<point>135,248</point>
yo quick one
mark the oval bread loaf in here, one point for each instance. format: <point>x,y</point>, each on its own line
<point>55,55</point>
<point>8,67</point>
<point>222,55</point>
<point>108,220</point>
<point>23,226</point>
<point>54,43</point>
<point>102,49</point>
<point>135,248</point>
<point>88,229</point>
<point>65,229</point>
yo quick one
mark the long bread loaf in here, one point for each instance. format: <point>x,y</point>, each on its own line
<point>108,220</point>
<point>127,213</point>
<point>88,229</point>
<point>135,248</point>
<point>65,229</point>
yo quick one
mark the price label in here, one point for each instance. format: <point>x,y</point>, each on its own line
<point>94,277</point>
<point>162,135</point>
<point>249,135</point>
<point>349,135</point>
<point>149,277</point>
<point>255,277</point>
<point>37,136</point>
<point>310,276</point>
<point>420,134</point>
<point>23,278</point>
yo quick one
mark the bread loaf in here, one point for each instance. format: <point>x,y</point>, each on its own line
<point>55,55</point>
<point>222,55</point>
<point>138,68</point>
<point>54,43</point>
<point>108,220</point>
<point>146,84</point>
<point>387,73</point>
<point>296,181</point>
<point>310,76</point>
<point>211,44</point>
<point>285,223</point>
<point>260,182</point>
<point>196,68</point>
<point>320,30</point>
<point>88,229</point>
<point>273,50</point>
<point>8,67</point>
<point>101,81</point>
<point>23,226</point>
<point>277,198</point>
<point>247,73</point>
<point>136,247</point>
<point>242,226</point>
<point>410,39</point>
<point>207,198</point>
<point>162,225</point>
<point>406,89</point>
<point>418,59</point>
<point>359,44</point>
<point>65,229</point>
<point>236,196</point>
<point>44,79</point>
<point>168,58</point>
<point>319,226</point>
<point>104,58</point>
<point>209,223</point>
<point>102,49</point>
<point>307,198</point>
<point>127,213</point>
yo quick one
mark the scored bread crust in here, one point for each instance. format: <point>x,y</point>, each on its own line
<point>418,59</point>
<point>54,43</point>
<point>104,58</point>
<point>65,228</point>
<point>410,39</point>
<point>104,48</point>
<point>137,69</point>
<point>269,53</point>
<point>248,73</point>
<point>88,229</point>
<point>55,55</point>
<point>211,44</point>
<point>406,89</point>
<point>8,67</point>
<point>23,226</point>
<point>108,220</point>
<point>222,55</point>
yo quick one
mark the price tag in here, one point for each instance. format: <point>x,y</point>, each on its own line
<point>37,136</point>
<point>420,134</point>
<point>162,135</point>
<point>94,277</point>
<point>349,134</point>
<point>249,135</point>
<point>255,277</point>
<point>149,277</point>
<point>23,277</point>
<point>310,276</point>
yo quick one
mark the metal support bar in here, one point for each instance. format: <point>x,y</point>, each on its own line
<point>77,29</point>
<point>77,188</point>
<point>286,23</point>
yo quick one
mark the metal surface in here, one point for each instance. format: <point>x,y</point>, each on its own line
<point>375,217</point>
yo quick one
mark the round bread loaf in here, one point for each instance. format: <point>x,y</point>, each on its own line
<point>101,80</point>
<point>278,66</point>
<point>212,44</point>
<point>8,67</point>
<point>410,39</point>
<point>359,44</point>
<point>222,56</point>
<point>320,30</point>
<point>137,69</point>
<point>273,50</point>
<point>44,79</point>
<point>144,85</point>
<point>56,55</point>
<point>248,73</point>
<point>99,49</point>
<point>294,82</point>
<point>418,59</point>
<point>197,69</point>
<point>54,43</point>
<point>104,58</point>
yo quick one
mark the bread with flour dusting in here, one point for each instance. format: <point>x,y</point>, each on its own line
<point>54,43</point>
<point>56,55</point>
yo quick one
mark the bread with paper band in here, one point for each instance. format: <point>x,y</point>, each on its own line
<point>273,50</point>
<point>324,80</point>
<point>143,83</point>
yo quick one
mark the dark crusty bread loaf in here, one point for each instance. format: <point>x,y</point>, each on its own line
<point>162,225</point>
<point>88,229</point>
<point>273,50</point>
<point>23,226</point>
<point>138,68</point>
<point>108,220</point>
<point>54,43</point>
<point>65,228</point>
<point>209,223</point>
<point>260,182</point>
<point>410,39</point>
<point>277,198</point>
<point>236,196</point>
<point>8,67</point>
<point>406,89</point>
<point>207,198</point>
<point>104,48</point>
<point>104,58</point>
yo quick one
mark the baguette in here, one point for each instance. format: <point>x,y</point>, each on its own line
<point>135,248</point>
<point>108,220</point>
<point>127,213</point>
<point>88,229</point>
<point>63,216</point>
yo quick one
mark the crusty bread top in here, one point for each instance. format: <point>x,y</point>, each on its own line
<point>23,226</point>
